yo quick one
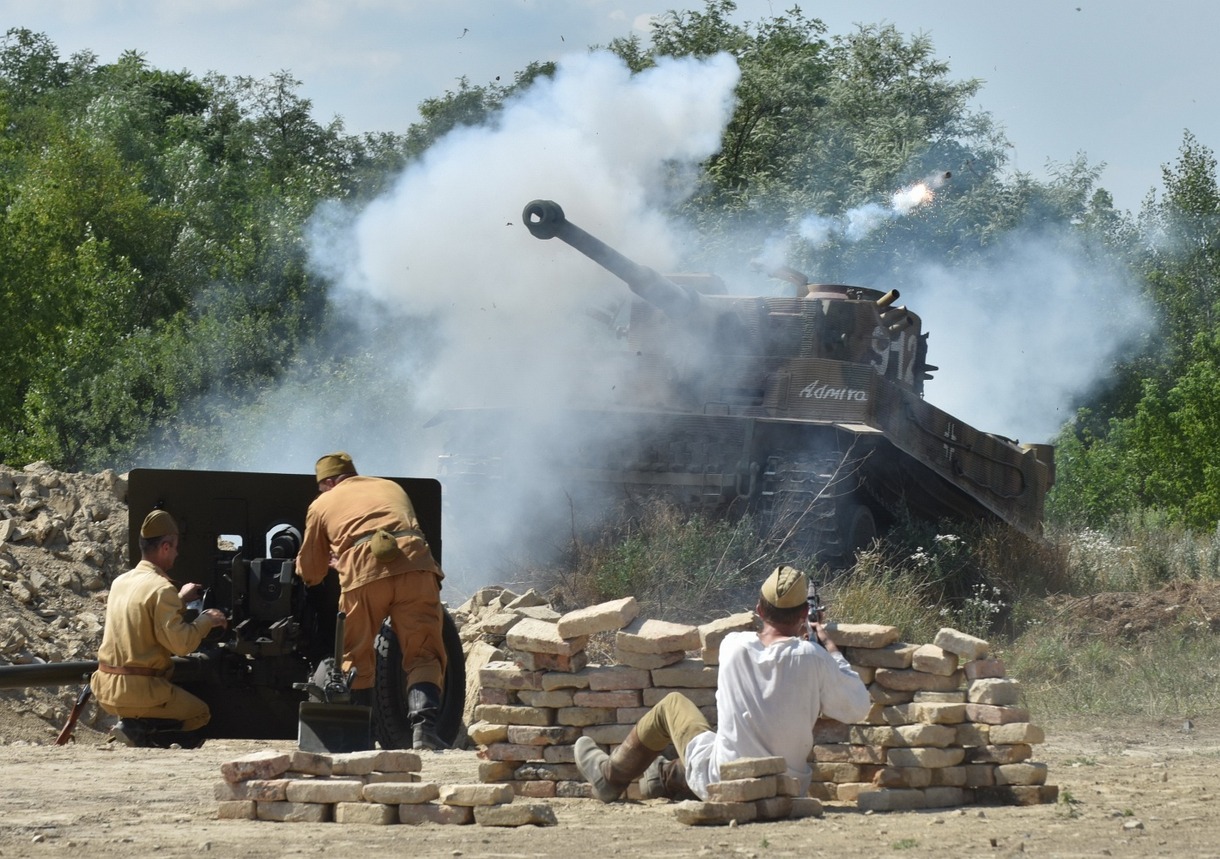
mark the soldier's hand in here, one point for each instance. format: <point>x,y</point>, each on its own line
<point>190,592</point>
<point>215,618</point>
<point>824,639</point>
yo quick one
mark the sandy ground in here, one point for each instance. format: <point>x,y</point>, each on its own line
<point>1136,789</point>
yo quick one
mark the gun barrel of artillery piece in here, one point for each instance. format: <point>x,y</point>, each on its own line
<point>545,220</point>
<point>75,673</point>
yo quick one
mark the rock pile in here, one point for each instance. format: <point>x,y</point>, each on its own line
<point>750,789</point>
<point>945,728</point>
<point>63,539</point>
<point>374,787</point>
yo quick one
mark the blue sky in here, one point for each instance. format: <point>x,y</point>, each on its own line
<point>1118,80</point>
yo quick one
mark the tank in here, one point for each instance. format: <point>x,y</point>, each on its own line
<point>240,535</point>
<point>806,411</point>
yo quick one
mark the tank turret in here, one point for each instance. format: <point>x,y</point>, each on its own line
<point>806,410</point>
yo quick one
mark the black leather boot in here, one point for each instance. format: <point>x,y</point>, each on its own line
<point>141,733</point>
<point>665,779</point>
<point>424,708</point>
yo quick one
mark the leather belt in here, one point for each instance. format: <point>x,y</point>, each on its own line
<point>130,669</point>
<point>408,532</point>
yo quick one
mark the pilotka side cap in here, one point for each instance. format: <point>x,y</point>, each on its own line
<point>786,587</point>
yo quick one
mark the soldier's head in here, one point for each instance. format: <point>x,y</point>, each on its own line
<point>159,539</point>
<point>333,469</point>
<point>782,602</point>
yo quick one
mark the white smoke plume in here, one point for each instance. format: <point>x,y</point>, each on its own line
<point>1025,332</point>
<point>502,314</point>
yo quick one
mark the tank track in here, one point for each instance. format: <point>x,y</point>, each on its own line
<point>800,501</point>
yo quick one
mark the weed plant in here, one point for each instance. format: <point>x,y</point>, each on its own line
<point>987,581</point>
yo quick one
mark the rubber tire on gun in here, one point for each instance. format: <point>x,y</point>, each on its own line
<point>391,719</point>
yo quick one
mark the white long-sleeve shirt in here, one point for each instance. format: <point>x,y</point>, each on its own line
<point>767,699</point>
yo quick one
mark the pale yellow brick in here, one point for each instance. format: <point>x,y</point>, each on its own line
<point>603,617</point>
<point>967,647</point>
<point>895,656</point>
<point>508,715</point>
<point>1016,732</point>
<point>934,660</point>
<point>554,698</point>
<point>325,790</point>
<point>742,790</point>
<point>517,814</point>
<point>310,763</point>
<point>1021,773</point>
<point>509,675</point>
<point>485,733</point>
<point>354,763</point>
<point>368,813</point>
<point>925,735</point>
<point>294,812</point>
<point>690,673</point>
<point>610,678</point>
<point>475,794</point>
<point>657,636</point>
<point>864,635</point>
<point>891,799</point>
<point>540,636</point>
<point>430,813</point>
<point>261,765</point>
<point>397,793</point>
<point>397,761</point>
<point>236,809</point>
<point>648,661</point>
<point>901,680</point>
<point>693,813</point>
<point>1000,692</point>
<point>925,757</point>
<point>752,768</point>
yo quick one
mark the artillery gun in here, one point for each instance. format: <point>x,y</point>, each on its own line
<point>240,534</point>
<point>807,411</point>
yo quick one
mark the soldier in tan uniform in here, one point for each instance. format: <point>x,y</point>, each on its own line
<point>145,626</point>
<point>365,528</point>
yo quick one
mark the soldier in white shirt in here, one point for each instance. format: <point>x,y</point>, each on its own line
<point>773,685</point>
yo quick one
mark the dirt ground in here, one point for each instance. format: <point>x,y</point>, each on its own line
<point>1135,789</point>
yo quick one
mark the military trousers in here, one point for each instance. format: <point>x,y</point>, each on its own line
<point>675,719</point>
<point>412,602</point>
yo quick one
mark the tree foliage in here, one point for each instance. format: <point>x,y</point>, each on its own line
<point>152,271</point>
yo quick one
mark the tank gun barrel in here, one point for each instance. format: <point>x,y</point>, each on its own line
<point>545,220</point>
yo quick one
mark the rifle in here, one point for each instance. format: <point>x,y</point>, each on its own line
<point>81,700</point>
<point>817,609</point>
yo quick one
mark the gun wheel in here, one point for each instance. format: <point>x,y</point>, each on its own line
<point>391,717</point>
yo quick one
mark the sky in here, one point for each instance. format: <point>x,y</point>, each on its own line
<point>1117,80</point>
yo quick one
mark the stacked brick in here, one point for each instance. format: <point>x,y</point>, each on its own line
<point>532,710</point>
<point>945,729</point>
<point>750,789</point>
<point>374,787</point>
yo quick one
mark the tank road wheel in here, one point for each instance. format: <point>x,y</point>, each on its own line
<point>859,529</point>
<point>391,721</point>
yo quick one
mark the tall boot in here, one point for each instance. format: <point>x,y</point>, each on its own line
<point>665,779</point>
<point>424,709</point>
<point>610,774</point>
<point>139,733</point>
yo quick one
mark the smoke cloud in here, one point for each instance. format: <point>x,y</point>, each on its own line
<point>452,305</point>
<point>499,316</point>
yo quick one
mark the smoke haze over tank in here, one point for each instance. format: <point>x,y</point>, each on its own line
<point>457,307</point>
